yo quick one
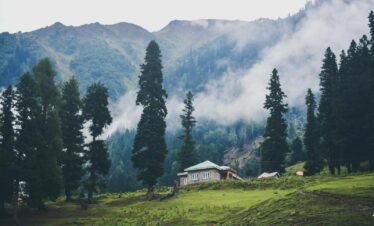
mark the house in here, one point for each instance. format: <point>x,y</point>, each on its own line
<point>206,171</point>
<point>269,175</point>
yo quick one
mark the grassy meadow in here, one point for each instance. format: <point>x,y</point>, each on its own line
<point>319,200</point>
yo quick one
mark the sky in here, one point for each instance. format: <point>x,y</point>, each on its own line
<point>28,15</point>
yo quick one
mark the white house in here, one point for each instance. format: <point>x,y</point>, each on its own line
<point>206,171</point>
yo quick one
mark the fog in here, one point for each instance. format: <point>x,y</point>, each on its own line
<point>239,95</point>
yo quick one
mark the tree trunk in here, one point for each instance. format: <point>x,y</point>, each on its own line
<point>331,169</point>
<point>150,193</point>
<point>338,169</point>
<point>68,194</point>
<point>355,166</point>
<point>41,206</point>
<point>349,168</point>
<point>90,194</point>
<point>15,203</point>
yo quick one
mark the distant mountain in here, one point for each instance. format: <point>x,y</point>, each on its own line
<point>193,51</point>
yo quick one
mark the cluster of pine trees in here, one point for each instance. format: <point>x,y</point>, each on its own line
<point>149,147</point>
<point>344,129</point>
<point>341,133</point>
<point>42,146</point>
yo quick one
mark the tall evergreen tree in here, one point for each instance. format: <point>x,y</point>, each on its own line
<point>187,156</point>
<point>46,178</point>
<point>297,152</point>
<point>326,117</point>
<point>351,108</point>
<point>313,162</point>
<point>371,95</point>
<point>343,121</point>
<point>362,115</point>
<point>7,150</point>
<point>27,130</point>
<point>275,147</point>
<point>95,110</point>
<point>71,125</point>
<point>149,148</point>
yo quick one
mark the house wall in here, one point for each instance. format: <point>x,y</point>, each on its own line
<point>201,176</point>
<point>183,180</point>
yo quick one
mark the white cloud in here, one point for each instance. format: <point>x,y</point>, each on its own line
<point>297,57</point>
<point>239,95</point>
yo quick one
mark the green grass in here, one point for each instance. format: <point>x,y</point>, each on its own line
<point>320,200</point>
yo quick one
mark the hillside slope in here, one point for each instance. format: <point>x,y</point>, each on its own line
<point>344,200</point>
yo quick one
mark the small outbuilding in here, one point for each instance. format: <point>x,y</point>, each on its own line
<point>206,171</point>
<point>269,175</point>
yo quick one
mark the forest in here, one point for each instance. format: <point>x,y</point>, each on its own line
<point>44,152</point>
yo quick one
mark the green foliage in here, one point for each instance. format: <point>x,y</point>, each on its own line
<point>187,155</point>
<point>326,110</point>
<point>71,124</point>
<point>297,151</point>
<point>122,174</point>
<point>95,110</point>
<point>313,162</point>
<point>149,149</point>
<point>47,179</point>
<point>274,147</point>
<point>7,152</point>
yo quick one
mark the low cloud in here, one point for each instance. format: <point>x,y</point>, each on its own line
<point>297,56</point>
<point>239,95</point>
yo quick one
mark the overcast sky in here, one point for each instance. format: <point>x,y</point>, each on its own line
<point>28,15</point>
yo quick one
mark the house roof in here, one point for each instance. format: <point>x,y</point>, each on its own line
<point>269,175</point>
<point>203,165</point>
<point>182,174</point>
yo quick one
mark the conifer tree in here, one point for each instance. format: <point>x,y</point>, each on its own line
<point>326,117</point>
<point>350,139</point>
<point>362,114</point>
<point>95,110</point>
<point>149,148</point>
<point>71,125</point>
<point>187,156</point>
<point>26,129</point>
<point>45,180</point>
<point>342,135</point>
<point>275,147</point>
<point>313,162</point>
<point>371,95</point>
<point>297,154</point>
<point>7,150</point>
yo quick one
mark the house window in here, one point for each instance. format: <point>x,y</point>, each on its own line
<point>206,175</point>
<point>185,181</point>
<point>195,176</point>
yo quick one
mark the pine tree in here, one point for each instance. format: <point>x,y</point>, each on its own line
<point>362,114</point>
<point>313,158</point>
<point>187,156</point>
<point>297,154</point>
<point>71,125</point>
<point>343,121</point>
<point>7,149</point>
<point>275,147</point>
<point>326,117</point>
<point>95,110</point>
<point>45,180</point>
<point>149,148</point>
<point>371,94</point>
<point>27,130</point>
